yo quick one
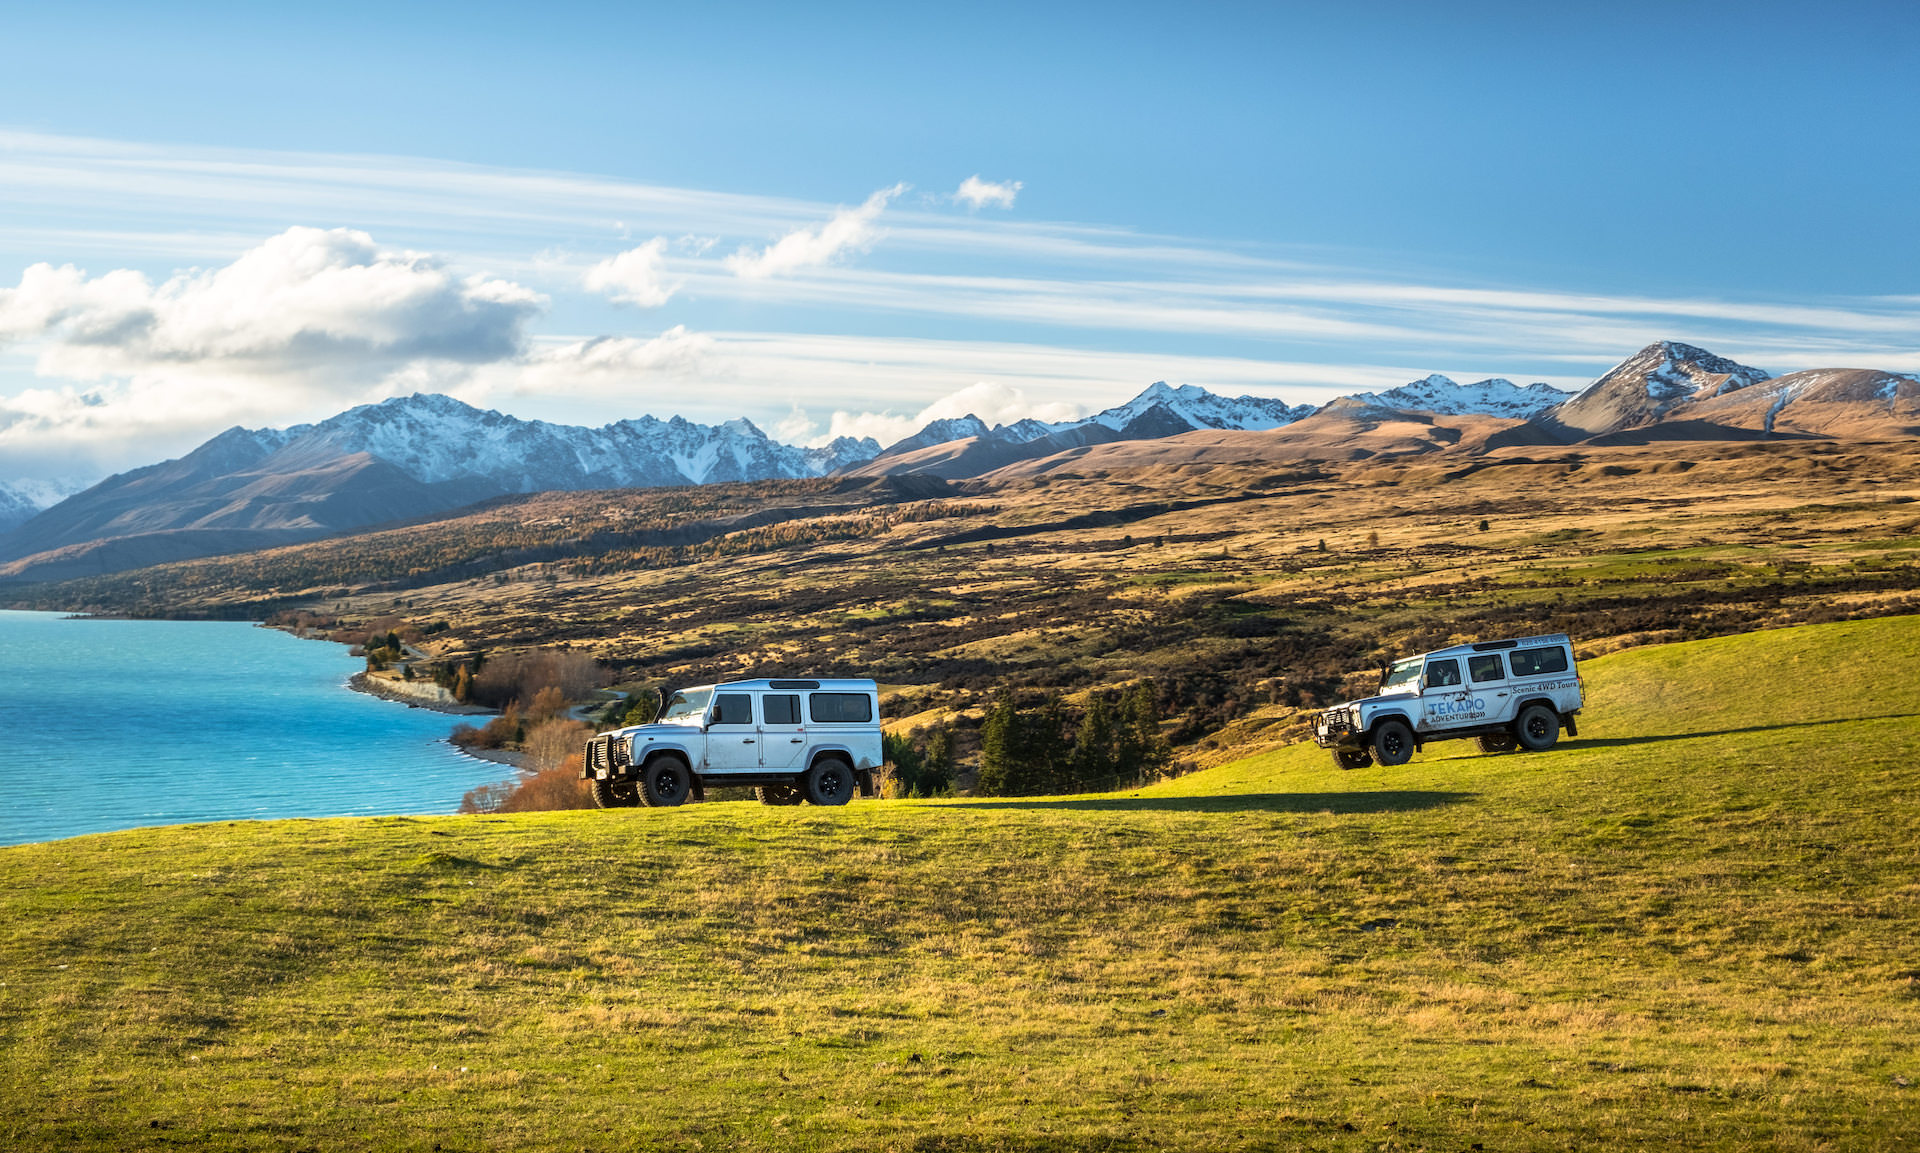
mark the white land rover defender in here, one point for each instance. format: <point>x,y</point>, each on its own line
<point>1510,694</point>
<point>791,740</point>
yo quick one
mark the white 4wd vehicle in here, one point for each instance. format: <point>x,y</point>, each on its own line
<point>791,740</point>
<point>1510,694</point>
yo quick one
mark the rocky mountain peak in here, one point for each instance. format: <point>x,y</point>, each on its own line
<point>1645,387</point>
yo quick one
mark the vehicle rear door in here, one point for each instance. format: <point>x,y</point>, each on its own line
<point>1547,670</point>
<point>783,738</point>
<point>1487,677</point>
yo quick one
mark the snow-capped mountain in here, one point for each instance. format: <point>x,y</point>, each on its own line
<point>1645,388</point>
<point>1854,403</point>
<point>1495,396</point>
<point>22,500</point>
<point>403,458</point>
<point>1160,410</point>
<point>1196,408</point>
<point>435,439</point>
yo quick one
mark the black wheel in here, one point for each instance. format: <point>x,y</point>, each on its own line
<point>829,782</point>
<point>615,794</point>
<point>1498,743</point>
<point>1352,758</point>
<point>665,782</point>
<point>1537,728</point>
<point>777,795</point>
<point>1392,743</point>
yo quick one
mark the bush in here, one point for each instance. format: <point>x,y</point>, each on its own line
<point>506,729</point>
<point>550,742</point>
<point>508,677</point>
<point>548,703</point>
<point>558,787</point>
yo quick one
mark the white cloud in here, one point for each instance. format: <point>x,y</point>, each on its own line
<point>304,301</point>
<point>977,193</point>
<point>296,328</point>
<point>637,276</point>
<point>849,230</point>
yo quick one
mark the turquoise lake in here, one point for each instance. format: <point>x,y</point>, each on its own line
<point>113,724</point>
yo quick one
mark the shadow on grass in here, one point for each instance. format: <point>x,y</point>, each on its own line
<point>1393,801</point>
<point>1651,738</point>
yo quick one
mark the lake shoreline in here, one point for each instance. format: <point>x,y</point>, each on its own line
<point>389,691</point>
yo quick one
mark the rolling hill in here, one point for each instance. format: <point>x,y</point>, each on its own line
<point>1690,928</point>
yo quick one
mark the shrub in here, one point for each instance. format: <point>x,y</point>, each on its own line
<point>558,787</point>
<point>520,676</point>
<point>548,703</point>
<point>506,729</point>
<point>552,741</point>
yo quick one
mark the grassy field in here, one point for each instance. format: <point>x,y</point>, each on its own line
<point>1695,926</point>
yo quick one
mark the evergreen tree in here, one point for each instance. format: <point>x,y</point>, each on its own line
<point>1049,753</point>
<point>897,750</point>
<point>1095,745</point>
<point>1142,749</point>
<point>999,742</point>
<point>936,764</point>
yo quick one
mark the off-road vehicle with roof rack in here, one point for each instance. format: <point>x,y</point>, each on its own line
<point>1509,694</point>
<point>790,740</point>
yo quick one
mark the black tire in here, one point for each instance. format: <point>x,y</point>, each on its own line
<point>1352,758</point>
<point>615,794</point>
<point>1537,728</point>
<point>778,794</point>
<point>829,782</point>
<point>665,782</point>
<point>1392,743</point>
<point>1499,743</point>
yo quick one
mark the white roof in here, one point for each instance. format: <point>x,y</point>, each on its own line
<point>777,684</point>
<point>1502,645</point>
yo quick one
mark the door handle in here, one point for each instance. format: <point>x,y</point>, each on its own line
<point>798,741</point>
<point>748,741</point>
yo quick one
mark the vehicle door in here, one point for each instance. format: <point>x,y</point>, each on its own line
<point>783,739</point>
<point>1487,677</point>
<point>1446,701</point>
<point>1548,671</point>
<point>733,740</point>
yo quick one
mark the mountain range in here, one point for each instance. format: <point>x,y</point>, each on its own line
<point>420,456</point>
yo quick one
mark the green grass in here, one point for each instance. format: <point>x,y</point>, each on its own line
<point>1695,926</point>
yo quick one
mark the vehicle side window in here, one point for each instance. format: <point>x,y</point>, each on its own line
<point>780,709</point>
<point>1485,667</point>
<point>1533,662</point>
<point>732,709</point>
<point>840,708</point>
<point>1443,673</point>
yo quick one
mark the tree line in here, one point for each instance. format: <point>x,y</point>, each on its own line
<point>1049,749</point>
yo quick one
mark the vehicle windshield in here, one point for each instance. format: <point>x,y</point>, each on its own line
<point>686,707</point>
<point>1403,677</point>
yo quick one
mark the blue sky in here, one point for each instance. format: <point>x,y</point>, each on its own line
<point>587,212</point>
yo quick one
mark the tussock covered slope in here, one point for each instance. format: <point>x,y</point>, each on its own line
<point>1538,947</point>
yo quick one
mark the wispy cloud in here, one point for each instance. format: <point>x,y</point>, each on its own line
<point>977,193</point>
<point>849,230</point>
<point>204,308</point>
